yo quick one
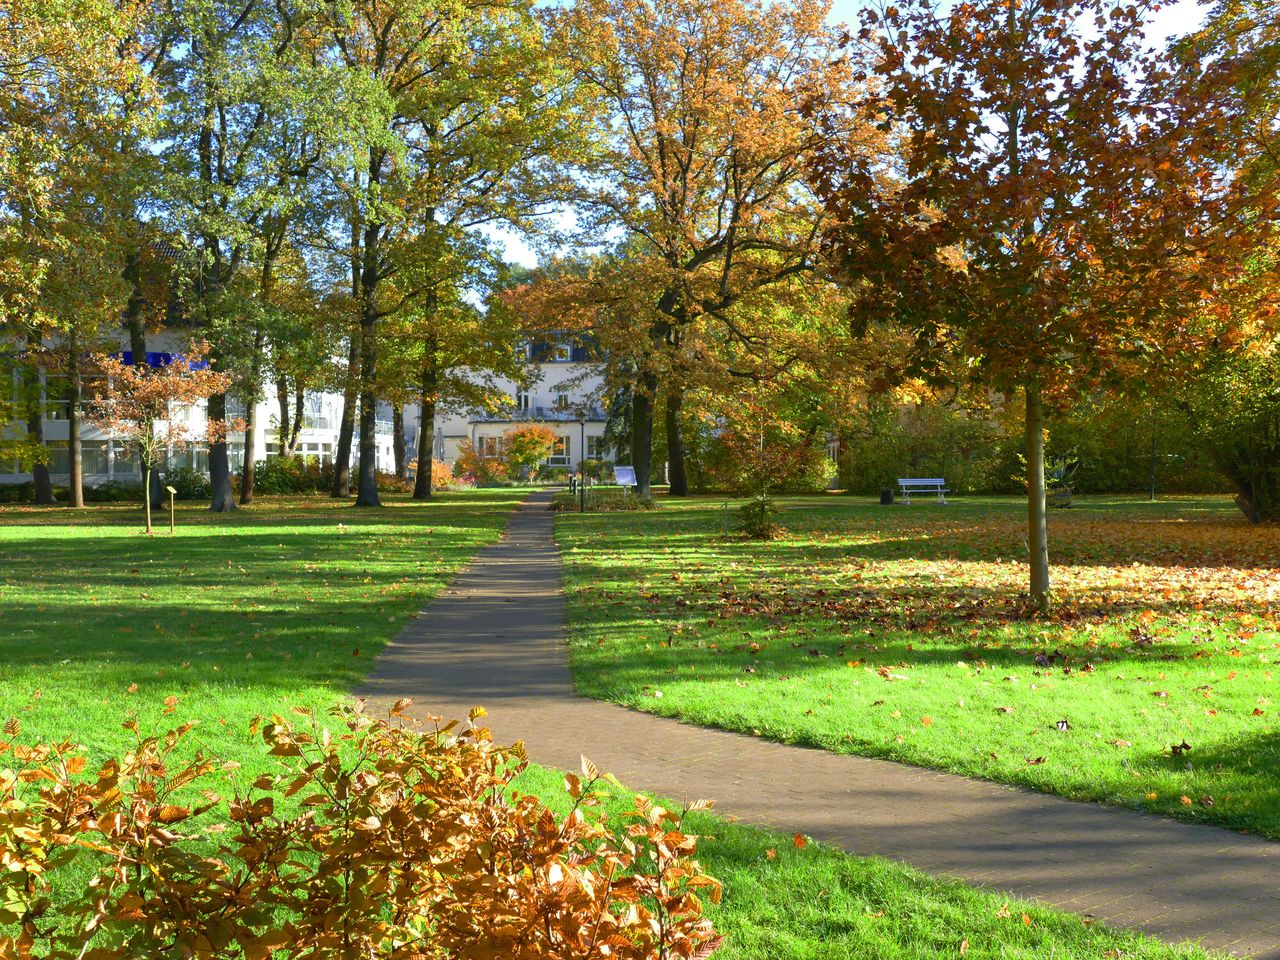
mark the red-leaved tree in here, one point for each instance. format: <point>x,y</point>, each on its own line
<point>147,406</point>
<point>1062,209</point>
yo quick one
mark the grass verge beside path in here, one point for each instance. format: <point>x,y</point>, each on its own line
<point>285,603</point>
<point>900,633</point>
<point>782,902</point>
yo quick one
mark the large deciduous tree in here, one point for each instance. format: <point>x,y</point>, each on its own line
<point>1061,209</point>
<point>469,121</point>
<point>699,169</point>
<point>68,72</point>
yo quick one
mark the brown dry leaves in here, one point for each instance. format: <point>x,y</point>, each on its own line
<point>404,844</point>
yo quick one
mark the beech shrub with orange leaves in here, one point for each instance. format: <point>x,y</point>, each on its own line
<point>377,841</point>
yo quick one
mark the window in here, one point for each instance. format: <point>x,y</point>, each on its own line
<point>522,401</point>
<point>596,450</point>
<point>489,447</point>
<point>126,463</point>
<point>93,458</point>
<point>562,353</point>
<point>59,456</point>
<point>197,458</point>
<point>560,452</point>
<point>562,402</point>
<point>56,406</point>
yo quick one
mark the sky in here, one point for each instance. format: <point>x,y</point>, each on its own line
<point>1176,19</point>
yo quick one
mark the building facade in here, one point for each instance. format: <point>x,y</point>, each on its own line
<point>563,393</point>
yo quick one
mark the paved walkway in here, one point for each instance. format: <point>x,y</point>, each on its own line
<point>496,638</point>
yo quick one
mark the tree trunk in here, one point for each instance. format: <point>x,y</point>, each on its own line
<point>75,483</point>
<point>40,478</point>
<point>346,430</point>
<point>426,438</point>
<point>299,398</point>
<point>134,320</point>
<point>642,432</point>
<point>248,471</point>
<point>1037,527</point>
<point>147,474</point>
<point>397,441</point>
<point>282,424</point>
<point>367,492</point>
<point>222,499</point>
<point>675,443</point>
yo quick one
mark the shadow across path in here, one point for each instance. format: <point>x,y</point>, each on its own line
<point>496,638</point>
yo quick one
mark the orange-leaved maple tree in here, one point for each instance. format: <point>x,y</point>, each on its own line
<point>147,406</point>
<point>1061,210</point>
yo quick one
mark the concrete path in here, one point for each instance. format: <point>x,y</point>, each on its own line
<point>496,638</point>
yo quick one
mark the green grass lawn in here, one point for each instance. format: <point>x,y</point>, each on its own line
<point>285,603</point>
<point>817,903</point>
<point>288,602</point>
<point>899,632</point>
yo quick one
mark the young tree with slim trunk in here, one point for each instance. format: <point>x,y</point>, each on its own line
<point>1059,210</point>
<point>138,404</point>
<point>700,166</point>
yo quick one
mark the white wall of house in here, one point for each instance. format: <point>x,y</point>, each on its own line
<point>563,393</point>
<point>105,458</point>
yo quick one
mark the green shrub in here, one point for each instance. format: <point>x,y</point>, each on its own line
<point>285,475</point>
<point>609,500</point>
<point>114,491</point>
<point>549,474</point>
<point>189,484</point>
<point>757,518</point>
<point>22,492</point>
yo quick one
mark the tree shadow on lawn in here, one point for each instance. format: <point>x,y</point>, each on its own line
<point>299,510</point>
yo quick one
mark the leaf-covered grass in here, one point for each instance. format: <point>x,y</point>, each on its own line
<point>900,632</point>
<point>813,902</point>
<point>285,603</point>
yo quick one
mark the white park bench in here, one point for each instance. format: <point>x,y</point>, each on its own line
<point>935,485</point>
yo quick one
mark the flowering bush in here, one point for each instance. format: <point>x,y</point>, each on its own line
<point>395,844</point>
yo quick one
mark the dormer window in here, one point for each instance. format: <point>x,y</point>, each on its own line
<point>562,353</point>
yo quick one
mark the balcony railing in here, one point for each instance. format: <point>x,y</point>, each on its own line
<point>542,414</point>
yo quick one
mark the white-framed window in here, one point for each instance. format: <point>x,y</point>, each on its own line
<point>563,352</point>
<point>562,402</point>
<point>560,452</point>
<point>489,447</point>
<point>93,457</point>
<point>56,406</point>
<point>59,456</point>
<point>522,401</point>
<point>596,450</point>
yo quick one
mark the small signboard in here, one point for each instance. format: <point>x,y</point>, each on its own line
<point>624,476</point>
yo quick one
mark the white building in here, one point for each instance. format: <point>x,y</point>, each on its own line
<point>564,395</point>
